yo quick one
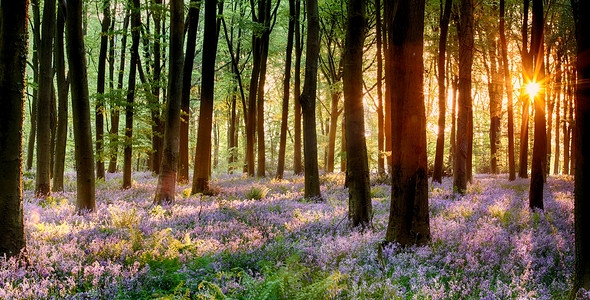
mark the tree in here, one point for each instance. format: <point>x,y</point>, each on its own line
<point>43,179</point>
<point>360,210</point>
<point>297,166</point>
<point>167,178</point>
<point>527,65</point>
<point>203,151</point>
<point>442,91</point>
<point>80,107</point>
<point>62,98</point>
<point>540,140</point>
<point>36,30</point>
<point>508,85</point>
<point>380,120</point>
<point>13,58</point>
<point>127,152</point>
<point>286,85</point>
<point>100,83</point>
<point>581,9</point>
<point>408,216</point>
<point>187,72</point>
<point>465,33</point>
<point>308,101</point>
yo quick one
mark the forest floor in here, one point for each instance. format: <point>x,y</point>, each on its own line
<point>259,239</point>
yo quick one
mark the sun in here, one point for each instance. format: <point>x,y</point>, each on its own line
<point>532,89</point>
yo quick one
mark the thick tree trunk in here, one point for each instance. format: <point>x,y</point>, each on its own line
<point>508,86</point>
<point>286,85</point>
<point>297,166</point>
<point>582,182</point>
<point>261,166</point>
<point>43,178</point>
<point>187,71</point>
<point>100,83</point>
<point>308,103</point>
<point>465,33</point>
<point>167,178</point>
<point>360,210</point>
<point>127,151</point>
<point>442,92</point>
<point>62,98</point>
<point>80,107</point>
<point>540,141</point>
<point>203,150</point>
<point>13,58</point>
<point>408,217</point>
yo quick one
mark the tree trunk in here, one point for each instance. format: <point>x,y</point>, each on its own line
<point>297,166</point>
<point>261,167</point>
<point>360,210</point>
<point>582,206</point>
<point>465,33</point>
<point>13,59</point>
<point>540,140</point>
<point>558,91</point>
<point>187,71</point>
<point>286,85</point>
<point>380,123</point>
<point>114,132</point>
<point>508,85</point>
<point>442,94</point>
<point>127,151</point>
<point>334,114</point>
<point>157,126</point>
<point>36,28</point>
<point>527,63</point>
<point>408,216</point>
<point>62,98</point>
<point>80,107</point>
<point>43,178</point>
<point>100,83</point>
<point>453,148</point>
<point>167,178</point>
<point>308,103</point>
<point>203,150</point>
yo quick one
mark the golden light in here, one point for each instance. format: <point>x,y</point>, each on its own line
<point>532,89</point>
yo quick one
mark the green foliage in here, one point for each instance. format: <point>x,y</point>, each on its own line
<point>257,192</point>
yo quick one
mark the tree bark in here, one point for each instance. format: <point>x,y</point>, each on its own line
<point>442,92</point>
<point>508,86</point>
<point>308,101</point>
<point>360,210</point>
<point>43,178</point>
<point>465,33</point>
<point>133,65</point>
<point>408,215</point>
<point>540,140</point>
<point>380,121</point>
<point>527,63</point>
<point>558,91</point>
<point>167,178</point>
<point>187,71</point>
<point>157,126</point>
<point>203,150</point>
<point>62,98</point>
<point>100,83</point>
<point>297,166</point>
<point>85,192</point>
<point>286,85</point>
<point>13,58</point>
<point>36,28</point>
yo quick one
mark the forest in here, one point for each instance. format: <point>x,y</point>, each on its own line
<point>294,149</point>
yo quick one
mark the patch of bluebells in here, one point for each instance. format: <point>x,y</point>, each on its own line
<point>487,244</point>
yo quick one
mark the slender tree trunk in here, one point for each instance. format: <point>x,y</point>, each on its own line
<point>527,62</point>
<point>114,132</point>
<point>43,178</point>
<point>380,123</point>
<point>127,151</point>
<point>80,107</point>
<point>540,141</point>
<point>157,126</point>
<point>334,114</point>
<point>567,103</point>
<point>408,218</point>
<point>453,148</point>
<point>167,178</point>
<point>191,41</point>
<point>261,167</point>
<point>36,28</point>
<point>286,85</point>
<point>442,95</point>
<point>360,210</point>
<point>100,83</point>
<point>297,166</point>
<point>62,98</point>
<point>465,32</point>
<point>558,90</point>
<point>508,85</point>
<point>308,103</point>
<point>203,150</point>
<point>13,58</point>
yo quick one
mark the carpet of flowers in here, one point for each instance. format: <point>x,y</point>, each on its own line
<point>259,239</point>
